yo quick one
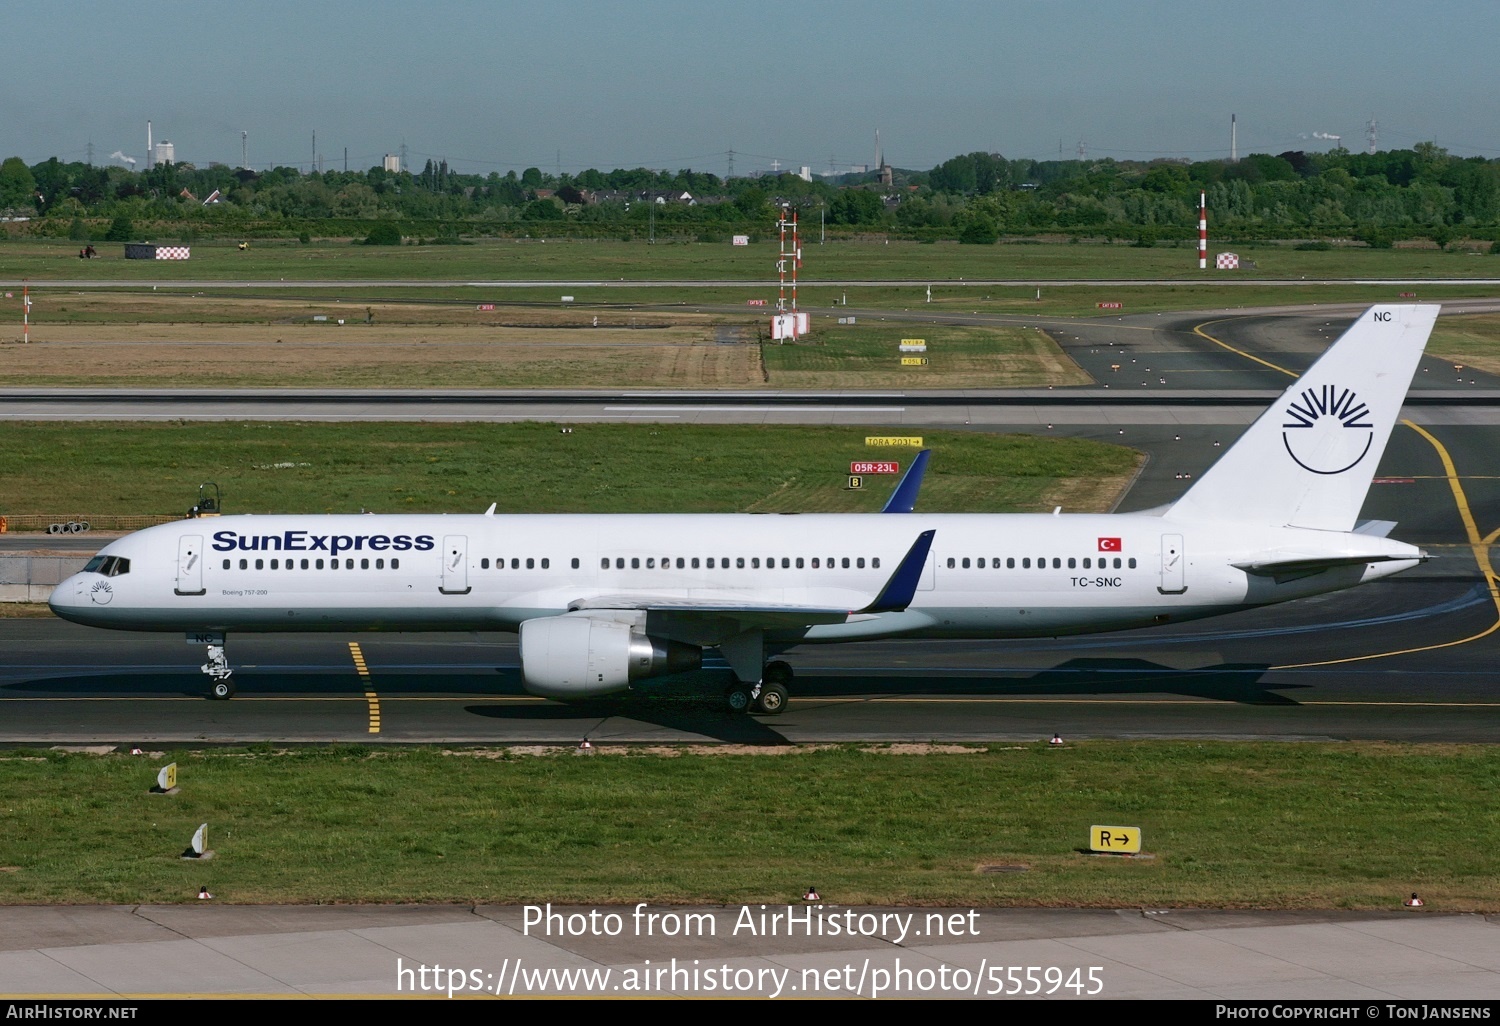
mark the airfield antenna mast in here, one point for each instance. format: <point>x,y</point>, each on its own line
<point>788,257</point>
<point>730,173</point>
<point>1203,231</point>
<point>91,153</point>
<point>1372,138</point>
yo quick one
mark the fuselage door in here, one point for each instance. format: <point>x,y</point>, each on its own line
<point>190,565</point>
<point>455,565</point>
<point>1173,565</point>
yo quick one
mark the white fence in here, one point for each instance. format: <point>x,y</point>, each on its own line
<point>32,578</point>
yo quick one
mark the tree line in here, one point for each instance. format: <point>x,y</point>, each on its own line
<point>974,197</point>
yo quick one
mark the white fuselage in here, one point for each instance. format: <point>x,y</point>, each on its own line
<point>988,576</point>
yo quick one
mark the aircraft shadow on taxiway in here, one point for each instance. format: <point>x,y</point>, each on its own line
<point>692,702</point>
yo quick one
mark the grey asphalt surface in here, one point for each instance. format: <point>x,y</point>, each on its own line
<point>1076,954</point>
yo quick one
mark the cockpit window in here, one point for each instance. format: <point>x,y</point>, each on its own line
<point>109,566</point>
<point>122,566</point>
<point>93,565</point>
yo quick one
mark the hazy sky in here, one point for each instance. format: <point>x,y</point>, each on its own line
<point>671,84</point>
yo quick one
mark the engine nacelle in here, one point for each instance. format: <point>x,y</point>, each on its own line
<point>582,656</point>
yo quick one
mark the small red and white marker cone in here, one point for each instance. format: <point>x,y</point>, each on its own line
<point>1413,901</point>
<point>1056,739</point>
<point>203,894</point>
<point>811,895</point>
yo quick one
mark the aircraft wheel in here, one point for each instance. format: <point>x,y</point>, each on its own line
<point>222,690</point>
<point>737,698</point>
<point>777,672</point>
<point>773,698</point>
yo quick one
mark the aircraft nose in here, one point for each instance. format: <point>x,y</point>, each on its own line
<point>67,596</point>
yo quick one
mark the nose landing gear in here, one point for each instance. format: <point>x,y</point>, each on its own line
<point>219,673</point>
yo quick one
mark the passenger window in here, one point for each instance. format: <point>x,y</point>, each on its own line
<point>860,562</point>
<point>1026,563</point>
<point>619,562</point>
<point>1132,562</point>
<point>1010,562</point>
<point>546,563</point>
<point>604,563</point>
<point>91,565</point>
<point>650,562</point>
<point>966,562</point>
<point>484,564</point>
<point>1117,562</point>
<point>1086,562</point>
<point>395,564</point>
<point>575,562</point>
<point>260,564</point>
<point>364,564</point>
<point>274,565</point>
<point>320,564</point>
<point>755,562</point>
<point>530,562</point>
<point>349,563</point>
<point>333,564</point>
<point>635,562</point>
<point>680,563</point>
<point>304,564</point>
<point>695,562</point>
<point>846,562</point>
<point>786,563</point>
<point>244,564</point>
<point>380,564</point>
<point>515,563</point>
<point>799,562</point>
<point>1072,563</point>
<point>739,562</point>
<point>815,562</point>
<point>875,562</point>
<point>710,562</point>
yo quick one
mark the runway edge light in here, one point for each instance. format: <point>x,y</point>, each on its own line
<point>166,780</point>
<point>1115,840</point>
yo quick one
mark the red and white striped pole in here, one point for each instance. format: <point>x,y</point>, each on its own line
<point>1203,231</point>
<point>25,313</point>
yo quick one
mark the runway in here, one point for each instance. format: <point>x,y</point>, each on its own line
<point>1407,659</point>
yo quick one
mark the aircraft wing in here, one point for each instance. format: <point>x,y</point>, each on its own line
<point>742,606</point>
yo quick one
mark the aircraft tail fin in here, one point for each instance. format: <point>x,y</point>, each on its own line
<point>1308,460</point>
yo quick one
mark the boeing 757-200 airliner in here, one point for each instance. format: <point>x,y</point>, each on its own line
<point>603,601</point>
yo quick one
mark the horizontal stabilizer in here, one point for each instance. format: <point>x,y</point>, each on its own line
<point>1288,564</point>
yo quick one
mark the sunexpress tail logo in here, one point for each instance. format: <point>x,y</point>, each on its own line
<point>1328,429</point>
<point>333,544</point>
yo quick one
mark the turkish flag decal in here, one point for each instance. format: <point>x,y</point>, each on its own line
<point>1109,545</point>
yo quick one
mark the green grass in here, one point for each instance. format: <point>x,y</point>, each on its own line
<point>1230,824</point>
<point>124,468</point>
<point>582,259</point>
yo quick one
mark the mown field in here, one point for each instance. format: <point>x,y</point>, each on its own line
<point>130,468</point>
<point>867,259</point>
<point>1228,824</point>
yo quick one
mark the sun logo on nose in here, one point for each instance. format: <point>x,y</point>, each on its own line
<point>101,593</point>
<point>1328,429</point>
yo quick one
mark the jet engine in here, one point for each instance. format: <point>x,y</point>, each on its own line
<point>583,656</point>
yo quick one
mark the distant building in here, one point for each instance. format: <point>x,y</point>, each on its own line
<point>166,153</point>
<point>392,163</point>
<point>805,174</point>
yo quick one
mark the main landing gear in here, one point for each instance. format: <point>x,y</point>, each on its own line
<point>769,695</point>
<point>219,673</point>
